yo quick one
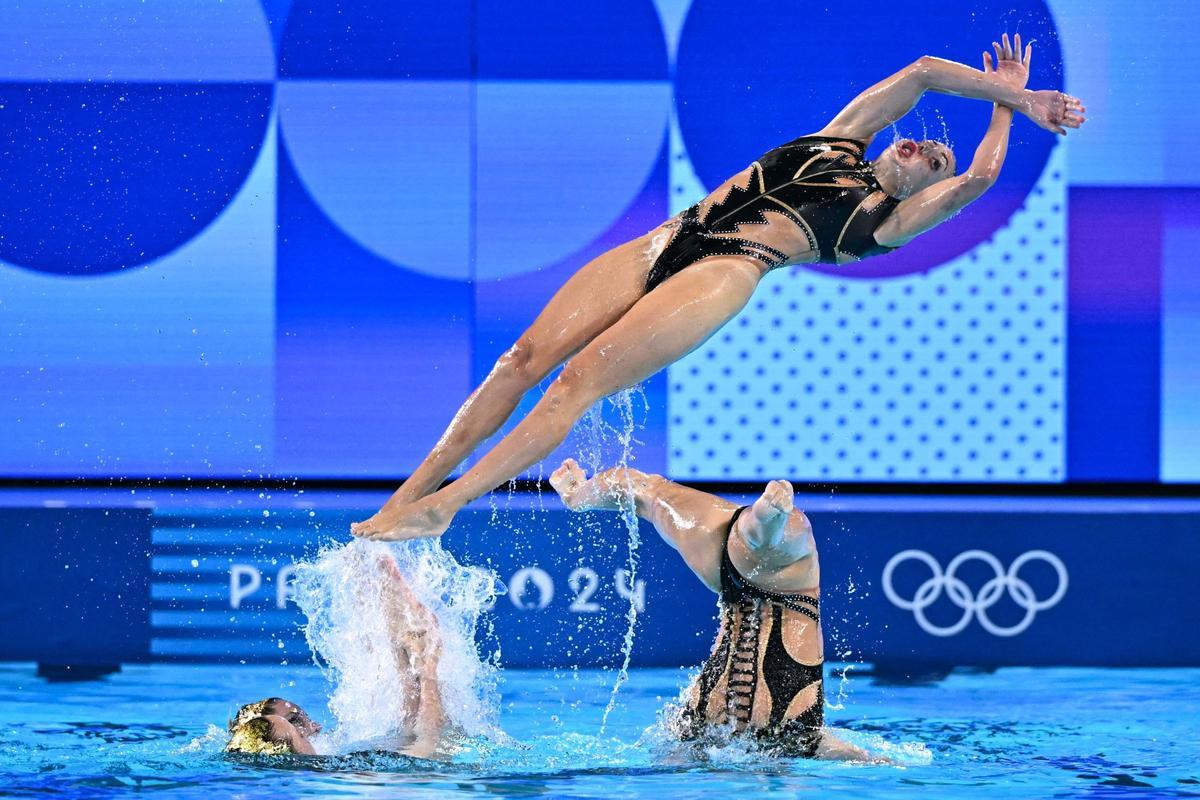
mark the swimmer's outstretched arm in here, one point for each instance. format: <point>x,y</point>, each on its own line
<point>689,520</point>
<point>832,748</point>
<point>892,98</point>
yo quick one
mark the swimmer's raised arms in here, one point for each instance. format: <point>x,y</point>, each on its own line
<point>647,303</point>
<point>1002,81</point>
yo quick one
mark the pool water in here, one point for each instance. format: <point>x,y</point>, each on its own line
<point>1013,733</point>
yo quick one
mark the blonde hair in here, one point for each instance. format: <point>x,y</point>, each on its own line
<point>250,736</point>
<point>250,711</point>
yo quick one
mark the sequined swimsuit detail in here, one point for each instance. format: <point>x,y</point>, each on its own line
<point>825,198</point>
<point>745,609</point>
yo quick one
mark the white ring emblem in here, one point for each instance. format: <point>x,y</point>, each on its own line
<point>961,595</point>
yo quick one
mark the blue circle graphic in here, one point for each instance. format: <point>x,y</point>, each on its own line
<point>100,177</point>
<point>474,139</point>
<point>752,74</point>
<point>528,40</point>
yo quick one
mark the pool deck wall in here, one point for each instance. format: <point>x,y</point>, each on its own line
<point>909,583</point>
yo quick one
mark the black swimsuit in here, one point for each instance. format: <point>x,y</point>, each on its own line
<point>736,656</point>
<point>824,192</point>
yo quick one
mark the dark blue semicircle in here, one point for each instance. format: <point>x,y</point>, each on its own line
<point>528,40</point>
<point>377,40</point>
<point>100,177</point>
<point>752,74</point>
<point>555,40</point>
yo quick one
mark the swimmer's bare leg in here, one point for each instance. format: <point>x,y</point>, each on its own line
<point>591,300</point>
<point>429,727</point>
<point>659,329</point>
<point>416,638</point>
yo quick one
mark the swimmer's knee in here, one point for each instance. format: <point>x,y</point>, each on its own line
<point>571,392</point>
<point>518,365</point>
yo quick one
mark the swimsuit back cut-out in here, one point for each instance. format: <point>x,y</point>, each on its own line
<point>748,663</point>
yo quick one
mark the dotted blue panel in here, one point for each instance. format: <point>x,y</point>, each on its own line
<point>955,375</point>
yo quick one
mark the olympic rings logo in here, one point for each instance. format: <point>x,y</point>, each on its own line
<point>961,595</point>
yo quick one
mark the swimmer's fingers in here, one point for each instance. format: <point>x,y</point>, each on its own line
<point>1070,112</point>
<point>1008,51</point>
<point>780,495</point>
<point>999,52</point>
<point>567,479</point>
<point>987,62</point>
<point>1016,49</point>
<point>1028,55</point>
<point>1073,120</point>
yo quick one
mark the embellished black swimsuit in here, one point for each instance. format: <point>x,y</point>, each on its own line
<point>825,197</point>
<point>749,667</point>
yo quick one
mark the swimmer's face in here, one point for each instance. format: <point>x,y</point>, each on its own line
<point>295,716</point>
<point>919,164</point>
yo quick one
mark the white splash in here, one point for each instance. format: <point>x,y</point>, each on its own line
<point>351,635</point>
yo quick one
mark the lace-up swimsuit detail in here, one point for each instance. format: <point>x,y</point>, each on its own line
<point>812,195</point>
<point>747,666</point>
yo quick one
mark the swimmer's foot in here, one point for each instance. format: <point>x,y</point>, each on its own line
<point>418,520</point>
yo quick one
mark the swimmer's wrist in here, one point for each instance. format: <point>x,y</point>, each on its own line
<point>1024,102</point>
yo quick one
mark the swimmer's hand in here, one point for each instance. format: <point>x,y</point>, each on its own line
<point>778,499</point>
<point>1051,110</point>
<point>1012,66</point>
<point>568,480</point>
<point>1055,111</point>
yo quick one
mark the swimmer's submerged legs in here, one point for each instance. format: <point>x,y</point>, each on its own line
<point>659,329</point>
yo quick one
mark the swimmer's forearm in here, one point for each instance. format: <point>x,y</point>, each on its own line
<point>615,489</point>
<point>894,96</point>
<point>950,77</point>
<point>990,155</point>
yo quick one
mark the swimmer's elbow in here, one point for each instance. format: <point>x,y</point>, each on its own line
<point>924,69</point>
<point>976,182</point>
<point>983,178</point>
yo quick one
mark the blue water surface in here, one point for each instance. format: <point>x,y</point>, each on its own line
<point>1013,733</point>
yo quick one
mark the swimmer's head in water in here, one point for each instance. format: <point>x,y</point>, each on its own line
<point>256,735</point>
<point>277,706</point>
<point>272,727</point>
<point>916,165</point>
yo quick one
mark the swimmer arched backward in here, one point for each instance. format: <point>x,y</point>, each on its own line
<point>644,304</point>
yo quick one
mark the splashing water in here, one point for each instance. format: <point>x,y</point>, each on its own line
<point>628,513</point>
<point>598,432</point>
<point>352,626</point>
